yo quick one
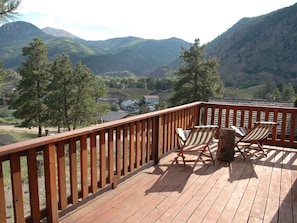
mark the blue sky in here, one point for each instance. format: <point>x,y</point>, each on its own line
<point>153,19</point>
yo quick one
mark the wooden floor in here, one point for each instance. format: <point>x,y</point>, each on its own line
<point>262,189</point>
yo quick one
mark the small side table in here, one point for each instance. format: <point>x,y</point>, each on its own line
<point>226,145</point>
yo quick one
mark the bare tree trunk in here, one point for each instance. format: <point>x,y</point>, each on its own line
<point>39,131</point>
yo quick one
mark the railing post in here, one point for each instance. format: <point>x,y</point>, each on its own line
<point>50,182</point>
<point>17,192</point>
<point>201,112</point>
<point>157,138</point>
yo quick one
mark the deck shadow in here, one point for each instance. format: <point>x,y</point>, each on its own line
<point>173,178</point>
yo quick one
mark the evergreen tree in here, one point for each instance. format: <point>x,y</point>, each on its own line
<point>8,82</point>
<point>288,93</point>
<point>32,88</point>
<point>197,79</point>
<point>60,97</point>
<point>7,10</point>
<point>87,89</point>
<point>2,79</point>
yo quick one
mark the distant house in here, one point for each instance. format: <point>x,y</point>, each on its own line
<point>151,99</point>
<point>130,106</point>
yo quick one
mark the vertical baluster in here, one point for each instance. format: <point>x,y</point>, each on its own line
<point>110,156</point>
<point>61,175</point>
<point>137,144</point>
<point>102,159</point>
<point>73,171</point>
<point>118,152</point>
<point>143,142</point>
<point>33,185</point>
<point>125,150</point>
<point>94,177</point>
<point>17,190</point>
<point>84,166</point>
<point>50,182</point>
<point>131,147</point>
<point>2,195</point>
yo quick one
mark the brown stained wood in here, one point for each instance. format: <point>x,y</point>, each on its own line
<point>84,166</point>
<point>110,156</point>
<point>220,115</point>
<point>159,139</point>
<point>250,112</point>
<point>73,171</point>
<point>293,126</point>
<point>171,142</point>
<point>258,208</point>
<point>234,120</point>
<point>125,150</point>
<point>137,146</point>
<point>94,168</point>
<point>227,116</point>
<point>2,194</point>
<point>242,118</point>
<point>143,142</point>
<point>271,208</point>
<point>131,147</point>
<point>102,160</point>
<point>258,115</point>
<point>166,141</point>
<point>50,183</point>
<point>169,132</point>
<point>61,175</point>
<point>149,141</point>
<point>33,185</point>
<point>242,191</point>
<point>283,135</point>
<point>157,133</point>
<point>118,152</point>
<point>17,191</point>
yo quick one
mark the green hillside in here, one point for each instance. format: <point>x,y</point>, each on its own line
<point>257,49</point>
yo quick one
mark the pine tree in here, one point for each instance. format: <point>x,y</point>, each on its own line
<point>86,92</point>
<point>32,88</point>
<point>7,10</point>
<point>197,79</point>
<point>60,97</point>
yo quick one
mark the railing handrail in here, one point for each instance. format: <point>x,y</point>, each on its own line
<point>38,142</point>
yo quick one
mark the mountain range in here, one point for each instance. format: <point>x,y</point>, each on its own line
<point>135,55</point>
<point>250,52</point>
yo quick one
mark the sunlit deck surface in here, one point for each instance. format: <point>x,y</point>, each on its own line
<point>258,189</point>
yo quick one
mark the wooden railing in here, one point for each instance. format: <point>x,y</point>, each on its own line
<point>45,177</point>
<point>225,115</point>
<point>41,177</point>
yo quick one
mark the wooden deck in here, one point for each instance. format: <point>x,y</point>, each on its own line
<point>262,189</point>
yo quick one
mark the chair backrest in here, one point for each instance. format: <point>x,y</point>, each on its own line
<point>201,135</point>
<point>181,134</point>
<point>260,131</point>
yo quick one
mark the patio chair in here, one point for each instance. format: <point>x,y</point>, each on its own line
<point>195,140</point>
<point>256,135</point>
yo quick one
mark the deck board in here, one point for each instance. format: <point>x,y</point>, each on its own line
<point>259,189</point>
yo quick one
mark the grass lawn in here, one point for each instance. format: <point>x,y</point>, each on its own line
<point>245,93</point>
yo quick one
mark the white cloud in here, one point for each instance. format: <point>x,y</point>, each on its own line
<point>157,19</point>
